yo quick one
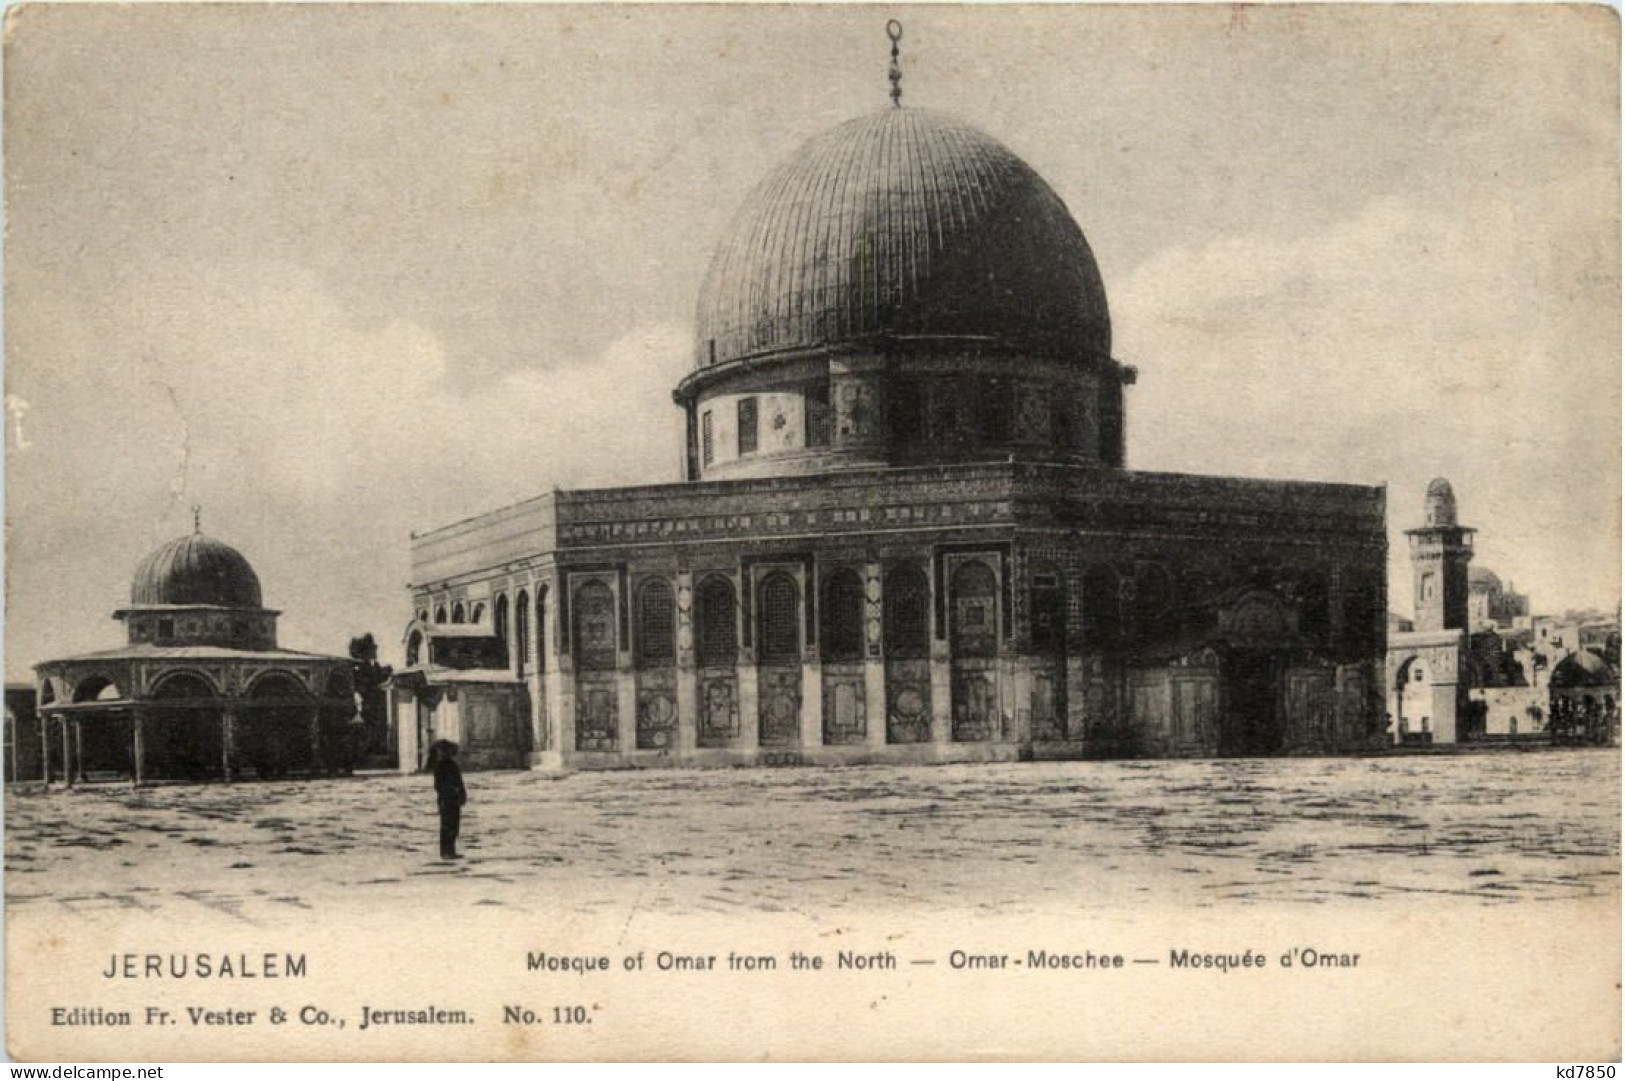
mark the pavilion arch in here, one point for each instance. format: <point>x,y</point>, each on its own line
<point>278,727</point>
<point>185,731</point>
<point>440,614</point>
<point>182,683</point>
<point>47,692</point>
<point>414,648</point>
<point>458,613</point>
<point>97,687</point>
<point>477,615</point>
<point>277,683</point>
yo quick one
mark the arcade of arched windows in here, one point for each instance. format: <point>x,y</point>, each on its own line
<point>1089,605</point>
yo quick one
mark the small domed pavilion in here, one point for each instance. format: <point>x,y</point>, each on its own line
<point>200,690</point>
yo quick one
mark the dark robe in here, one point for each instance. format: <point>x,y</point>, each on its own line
<point>449,791</point>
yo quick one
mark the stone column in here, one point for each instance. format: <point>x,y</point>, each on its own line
<point>67,752</point>
<point>942,697</point>
<point>228,741</point>
<point>626,704</point>
<point>79,748</point>
<point>45,747</point>
<point>874,662</point>
<point>750,721</point>
<point>812,699</point>
<point>316,739</point>
<point>138,740</point>
<point>688,679</point>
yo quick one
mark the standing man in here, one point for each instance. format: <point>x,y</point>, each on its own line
<point>450,793</point>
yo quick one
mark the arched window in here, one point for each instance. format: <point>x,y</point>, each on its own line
<point>779,618</point>
<point>440,614</point>
<point>594,625</point>
<point>908,606</point>
<point>718,620</point>
<point>1047,609</point>
<point>1153,600</point>
<point>521,631</point>
<point>1314,605</point>
<point>841,616</point>
<point>975,610</point>
<point>414,648</point>
<point>657,623</point>
<point>995,404</point>
<point>457,614</point>
<point>478,615</point>
<point>499,621</point>
<point>423,615</point>
<point>1101,605</point>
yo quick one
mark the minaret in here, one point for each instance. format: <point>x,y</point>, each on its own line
<point>1440,552</point>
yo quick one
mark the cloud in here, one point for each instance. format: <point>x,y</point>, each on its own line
<point>314,442</point>
<point>1339,355</point>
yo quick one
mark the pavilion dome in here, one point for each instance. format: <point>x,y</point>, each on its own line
<point>1482,578</point>
<point>902,224</point>
<point>196,569</point>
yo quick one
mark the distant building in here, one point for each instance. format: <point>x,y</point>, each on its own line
<point>1492,606</point>
<point>200,690</point>
<point>1475,665</point>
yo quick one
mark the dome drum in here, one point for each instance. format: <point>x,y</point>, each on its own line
<point>910,405</point>
<point>197,591</point>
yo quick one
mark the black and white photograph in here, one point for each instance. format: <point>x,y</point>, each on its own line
<point>534,529</point>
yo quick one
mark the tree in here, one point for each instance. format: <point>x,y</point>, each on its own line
<point>369,678</point>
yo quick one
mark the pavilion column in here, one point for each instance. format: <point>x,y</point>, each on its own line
<point>45,747</point>
<point>228,742</point>
<point>79,748</point>
<point>316,738</point>
<point>138,745</point>
<point>67,751</point>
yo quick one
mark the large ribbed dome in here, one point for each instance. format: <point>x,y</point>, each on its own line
<point>196,570</point>
<point>903,223</point>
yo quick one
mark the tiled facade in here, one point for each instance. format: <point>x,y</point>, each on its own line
<point>971,612</point>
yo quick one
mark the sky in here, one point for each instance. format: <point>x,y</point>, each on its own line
<point>340,273</point>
